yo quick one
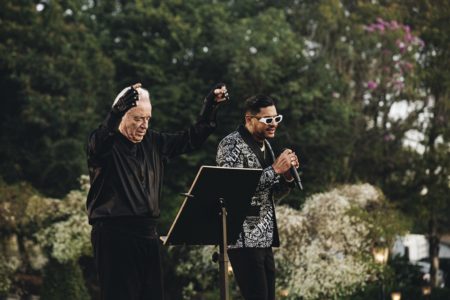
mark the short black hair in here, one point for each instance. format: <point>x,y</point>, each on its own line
<point>254,104</point>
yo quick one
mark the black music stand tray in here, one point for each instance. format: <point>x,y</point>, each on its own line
<point>213,212</point>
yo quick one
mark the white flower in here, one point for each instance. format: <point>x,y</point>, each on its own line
<point>321,245</point>
<point>325,247</point>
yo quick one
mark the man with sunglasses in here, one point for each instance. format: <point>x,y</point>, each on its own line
<point>126,163</point>
<point>248,147</point>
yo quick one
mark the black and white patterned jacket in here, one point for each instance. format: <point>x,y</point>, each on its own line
<point>240,150</point>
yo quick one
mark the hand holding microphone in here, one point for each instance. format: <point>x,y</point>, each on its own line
<point>287,164</point>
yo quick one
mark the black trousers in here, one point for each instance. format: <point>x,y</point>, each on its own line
<point>128,266</point>
<point>254,270</point>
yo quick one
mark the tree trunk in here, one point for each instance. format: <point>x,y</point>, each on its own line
<point>433,240</point>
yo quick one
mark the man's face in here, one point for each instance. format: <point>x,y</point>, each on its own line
<point>134,123</point>
<point>260,130</point>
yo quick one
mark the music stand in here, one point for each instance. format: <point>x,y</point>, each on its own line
<point>213,212</point>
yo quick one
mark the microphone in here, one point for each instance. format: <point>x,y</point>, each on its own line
<point>294,173</point>
<point>297,180</point>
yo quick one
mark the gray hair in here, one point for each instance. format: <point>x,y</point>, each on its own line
<point>143,94</point>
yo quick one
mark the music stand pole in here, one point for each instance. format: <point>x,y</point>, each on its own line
<point>223,256</point>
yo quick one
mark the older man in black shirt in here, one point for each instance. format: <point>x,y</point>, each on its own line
<point>126,164</point>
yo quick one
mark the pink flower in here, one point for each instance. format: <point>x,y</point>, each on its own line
<point>371,85</point>
<point>380,27</point>
<point>408,37</point>
<point>394,25</point>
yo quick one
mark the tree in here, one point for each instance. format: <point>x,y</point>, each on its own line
<point>53,78</point>
<point>64,281</point>
<point>430,180</point>
<point>393,59</point>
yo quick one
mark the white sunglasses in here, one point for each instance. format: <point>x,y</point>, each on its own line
<point>269,120</point>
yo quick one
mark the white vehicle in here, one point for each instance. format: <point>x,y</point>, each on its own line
<point>415,246</point>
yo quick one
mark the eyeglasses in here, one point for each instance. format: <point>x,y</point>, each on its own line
<point>269,120</point>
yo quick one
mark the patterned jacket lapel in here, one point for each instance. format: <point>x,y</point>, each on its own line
<point>250,141</point>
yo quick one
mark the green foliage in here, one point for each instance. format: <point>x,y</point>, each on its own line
<point>315,57</point>
<point>61,63</point>
<point>67,240</point>
<point>403,274</point>
<point>6,271</point>
<point>66,236</point>
<point>64,281</point>
<point>21,209</point>
<point>53,78</point>
<point>388,222</point>
<point>24,211</point>
<point>399,276</point>
<point>36,229</point>
<point>373,291</point>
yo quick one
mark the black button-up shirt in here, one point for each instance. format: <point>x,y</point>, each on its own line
<point>126,177</point>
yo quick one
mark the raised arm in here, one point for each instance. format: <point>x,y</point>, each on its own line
<point>173,144</point>
<point>100,140</point>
